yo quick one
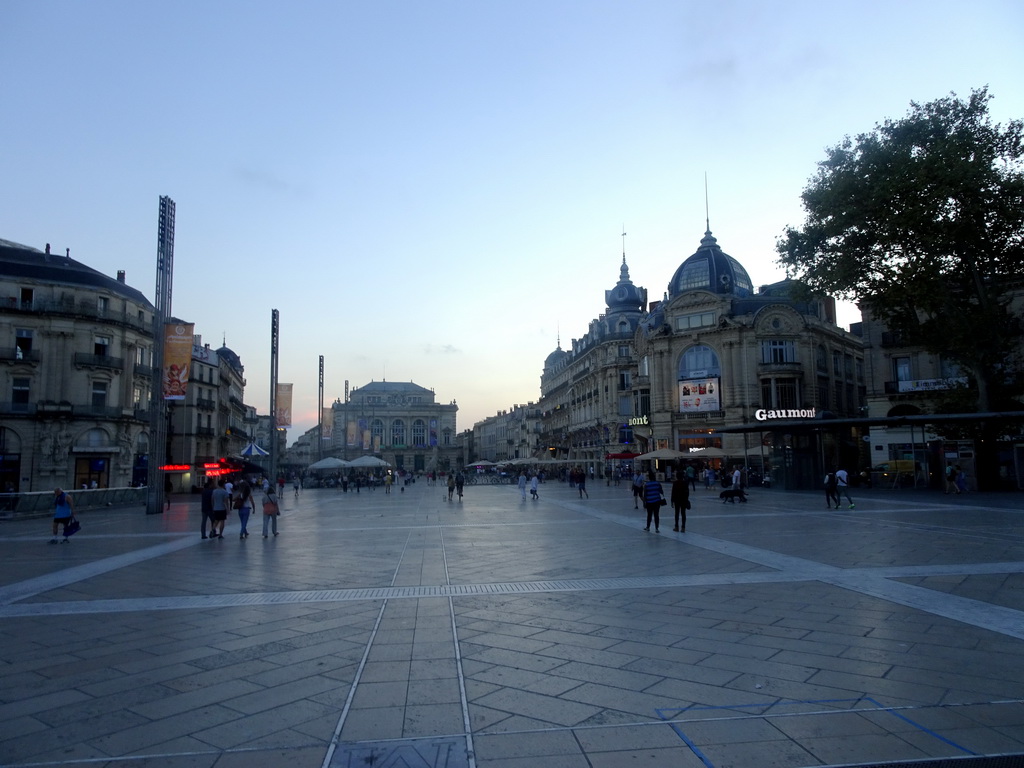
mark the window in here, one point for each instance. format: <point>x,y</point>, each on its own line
<point>626,405</point>
<point>824,393</point>
<point>398,432</point>
<point>137,397</point>
<point>27,295</point>
<point>625,434</point>
<point>446,436</point>
<point>780,393</point>
<point>624,350</point>
<point>20,394</point>
<point>696,274</point>
<point>140,357</point>
<point>625,380</point>
<point>821,359</point>
<point>699,362</point>
<point>642,401</point>
<point>645,366</point>
<point>101,344</point>
<point>901,369</point>
<point>778,351</point>
<point>949,369</point>
<point>99,394</point>
<point>22,343</point>
<point>419,433</point>
<point>102,305</point>
<point>837,364</point>
<point>699,320</point>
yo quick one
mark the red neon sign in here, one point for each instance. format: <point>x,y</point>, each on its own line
<point>175,467</point>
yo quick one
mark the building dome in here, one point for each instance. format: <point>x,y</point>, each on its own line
<point>228,355</point>
<point>625,296</point>
<point>711,269</point>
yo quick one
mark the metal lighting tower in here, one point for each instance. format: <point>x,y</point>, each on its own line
<point>320,413</point>
<point>274,331</point>
<point>158,406</point>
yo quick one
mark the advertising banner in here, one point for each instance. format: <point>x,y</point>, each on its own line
<point>327,425</point>
<point>177,359</point>
<point>699,395</point>
<point>284,405</point>
<point>351,433</point>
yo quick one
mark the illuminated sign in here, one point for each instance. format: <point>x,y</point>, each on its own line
<point>638,421</point>
<point>804,413</point>
<point>175,467</point>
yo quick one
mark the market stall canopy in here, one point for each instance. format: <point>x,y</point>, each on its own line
<point>254,450</point>
<point>484,463</point>
<point>329,462</point>
<point>368,462</point>
<point>662,453</point>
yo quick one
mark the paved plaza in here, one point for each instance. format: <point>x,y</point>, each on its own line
<point>402,630</point>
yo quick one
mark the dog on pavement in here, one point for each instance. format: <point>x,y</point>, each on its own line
<point>731,494</point>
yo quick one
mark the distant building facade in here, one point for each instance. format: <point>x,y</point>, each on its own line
<point>398,421</point>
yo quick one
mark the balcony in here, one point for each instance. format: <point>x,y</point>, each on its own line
<point>18,409</point>
<point>97,411</point>
<point>99,361</point>
<point>17,355</point>
<point>205,404</point>
<point>790,369</point>
<point>923,386</point>
<point>143,370</point>
<point>204,431</point>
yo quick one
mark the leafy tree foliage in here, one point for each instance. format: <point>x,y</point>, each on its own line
<point>921,222</point>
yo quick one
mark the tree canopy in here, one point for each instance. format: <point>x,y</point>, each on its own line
<point>921,222</point>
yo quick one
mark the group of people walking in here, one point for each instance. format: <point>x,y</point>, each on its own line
<point>218,499</point>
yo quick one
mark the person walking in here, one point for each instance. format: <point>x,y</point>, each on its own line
<point>451,486</point>
<point>221,503</point>
<point>460,483</point>
<point>244,506</point>
<point>534,486</point>
<point>581,483</point>
<point>961,480</point>
<point>951,478</point>
<point>831,489</point>
<point>522,484</point>
<point>638,488</point>
<point>298,484</point>
<point>654,497</point>
<point>271,511</point>
<point>63,513</point>
<point>843,487</point>
<point>680,503</point>
<point>206,506</point>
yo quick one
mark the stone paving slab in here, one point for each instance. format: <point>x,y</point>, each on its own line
<point>501,633</point>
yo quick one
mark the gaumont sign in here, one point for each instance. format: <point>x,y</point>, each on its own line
<point>806,413</point>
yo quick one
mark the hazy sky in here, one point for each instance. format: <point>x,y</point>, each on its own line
<point>433,191</point>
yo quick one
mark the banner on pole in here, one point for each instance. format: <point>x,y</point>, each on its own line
<point>284,406</point>
<point>177,359</point>
<point>327,425</point>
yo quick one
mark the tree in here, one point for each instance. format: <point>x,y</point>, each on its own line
<point>921,222</point>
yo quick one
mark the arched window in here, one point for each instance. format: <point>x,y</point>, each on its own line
<point>419,433</point>
<point>699,362</point>
<point>94,438</point>
<point>377,431</point>
<point>398,432</point>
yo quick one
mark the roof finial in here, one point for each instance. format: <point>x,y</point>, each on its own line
<point>623,243</point>
<point>707,210</point>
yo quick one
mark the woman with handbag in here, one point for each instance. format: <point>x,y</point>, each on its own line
<point>654,500</point>
<point>243,503</point>
<point>680,503</point>
<point>271,510</point>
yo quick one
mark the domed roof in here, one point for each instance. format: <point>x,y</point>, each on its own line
<point>552,360</point>
<point>625,296</point>
<point>232,359</point>
<point>711,269</point>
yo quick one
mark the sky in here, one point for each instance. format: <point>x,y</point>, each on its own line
<point>436,191</point>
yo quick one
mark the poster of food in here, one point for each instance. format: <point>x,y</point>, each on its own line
<point>177,359</point>
<point>699,395</point>
<point>283,406</point>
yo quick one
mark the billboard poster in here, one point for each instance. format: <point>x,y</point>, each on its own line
<point>351,433</point>
<point>433,432</point>
<point>327,425</point>
<point>177,359</point>
<point>284,405</point>
<point>699,395</point>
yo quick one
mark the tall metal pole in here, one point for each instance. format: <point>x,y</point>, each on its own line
<point>320,413</point>
<point>274,331</point>
<point>158,406</point>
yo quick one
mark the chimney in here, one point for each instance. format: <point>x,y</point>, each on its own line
<point>120,275</point>
<point>47,249</point>
<point>67,253</point>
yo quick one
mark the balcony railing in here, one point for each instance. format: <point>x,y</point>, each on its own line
<point>98,411</point>
<point>16,355</point>
<point>143,370</point>
<point>99,361</point>
<point>18,409</point>
<point>205,404</point>
<point>84,308</point>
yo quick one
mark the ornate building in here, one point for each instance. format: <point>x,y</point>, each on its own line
<point>75,373</point>
<point>398,421</point>
<point>587,391</point>
<point>716,370</point>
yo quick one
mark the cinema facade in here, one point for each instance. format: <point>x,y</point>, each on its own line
<point>727,374</point>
